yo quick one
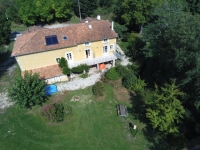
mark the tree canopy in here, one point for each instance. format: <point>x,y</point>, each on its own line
<point>39,11</point>
<point>165,109</point>
<point>28,91</point>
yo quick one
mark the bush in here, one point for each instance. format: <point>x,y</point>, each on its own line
<point>49,112</point>
<point>80,68</point>
<point>98,89</point>
<point>28,91</point>
<point>66,71</point>
<point>62,63</point>
<point>131,82</point>
<point>128,81</point>
<point>122,71</point>
<point>59,112</point>
<point>112,74</point>
<point>53,112</point>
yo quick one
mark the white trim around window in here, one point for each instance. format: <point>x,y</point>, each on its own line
<point>111,48</point>
<point>106,40</point>
<point>87,44</point>
<point>105,49</point>
<point>69,56</point>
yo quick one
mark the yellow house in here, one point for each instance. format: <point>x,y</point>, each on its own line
<point>90,42</point>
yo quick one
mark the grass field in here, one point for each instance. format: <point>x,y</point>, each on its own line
<point>94,125</point>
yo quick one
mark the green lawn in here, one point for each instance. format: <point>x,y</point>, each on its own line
<point>94,125</point>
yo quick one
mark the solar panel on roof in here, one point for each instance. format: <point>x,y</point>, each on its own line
<point>51,40</point>
<point>48,41</point>
<point>54,40</point>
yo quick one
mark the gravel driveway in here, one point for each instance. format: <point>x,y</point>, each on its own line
<point>79,83</point>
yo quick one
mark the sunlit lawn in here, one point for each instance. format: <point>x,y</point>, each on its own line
<point>94,125</point>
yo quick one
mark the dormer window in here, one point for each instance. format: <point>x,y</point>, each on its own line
<point>87,43</point>
<point>105,40</point>
<point>51,40</point>
<point>65,38</point>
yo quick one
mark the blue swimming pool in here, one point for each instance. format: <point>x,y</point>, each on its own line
<point>50,89</point>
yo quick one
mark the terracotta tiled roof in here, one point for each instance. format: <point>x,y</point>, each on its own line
<point>34,41</point>
<point>46,72</point>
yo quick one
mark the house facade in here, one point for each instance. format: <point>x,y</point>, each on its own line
<point>39,49</point>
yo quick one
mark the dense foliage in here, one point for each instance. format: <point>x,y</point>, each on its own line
<point>28,91</point>
<point>4,29</point>
<point>53,112</point>
<point>112,74</point>
<point>80,68</point>
<point>98,89</point>
<point>43,11</point>
<point>165,109</point>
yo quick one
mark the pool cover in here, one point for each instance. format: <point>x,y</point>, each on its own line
<point>50,89</point>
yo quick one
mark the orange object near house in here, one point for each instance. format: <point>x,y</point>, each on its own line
<point>102,66</point>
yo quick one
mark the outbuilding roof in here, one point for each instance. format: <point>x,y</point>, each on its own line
<point>33,39</point>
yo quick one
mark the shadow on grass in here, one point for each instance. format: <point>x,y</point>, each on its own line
<point>138,111</point>
<point>5,65</point>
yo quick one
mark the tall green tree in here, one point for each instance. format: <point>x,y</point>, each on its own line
<point>172,52</point>
<point>28,91</point>
<point>165,109</point>
<point>43,11</point>
<point>138,12</point>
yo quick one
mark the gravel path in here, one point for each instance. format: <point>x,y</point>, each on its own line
<point>79,83</point>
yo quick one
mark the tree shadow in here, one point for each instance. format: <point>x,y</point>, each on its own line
<point>4,66</point>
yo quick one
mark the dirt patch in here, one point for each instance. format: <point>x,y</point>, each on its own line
<point>120,92</point>
<point>57,98</point>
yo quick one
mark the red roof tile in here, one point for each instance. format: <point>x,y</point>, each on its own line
<point>47,72</point>
<point>33,41</point>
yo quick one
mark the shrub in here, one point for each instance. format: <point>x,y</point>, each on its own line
<point>98,89</point>
<point>80,68</point>
<point>53,112</point>
<point>66,71</point>
<point>131,82</point>
<point>128,81</point>
<point>85,67</point>
<point>112,74</point>
<point>62,63</point>
<point>28,91</point>
<point>59,112</point>
<point>122,71</point>
<point>49,112</point>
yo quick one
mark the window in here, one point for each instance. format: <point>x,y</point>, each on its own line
<point>65,38</point>
<point>105,40</point>
<point>87,53</point>
<point>105,49</point>
<point>111,47</point>
<point>57,60</point>
<point>87,43</point>
<point>51,40</point>
<point>69,56</point>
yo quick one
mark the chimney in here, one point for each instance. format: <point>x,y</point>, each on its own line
<point>112,25</point>
<point>98,17</point>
